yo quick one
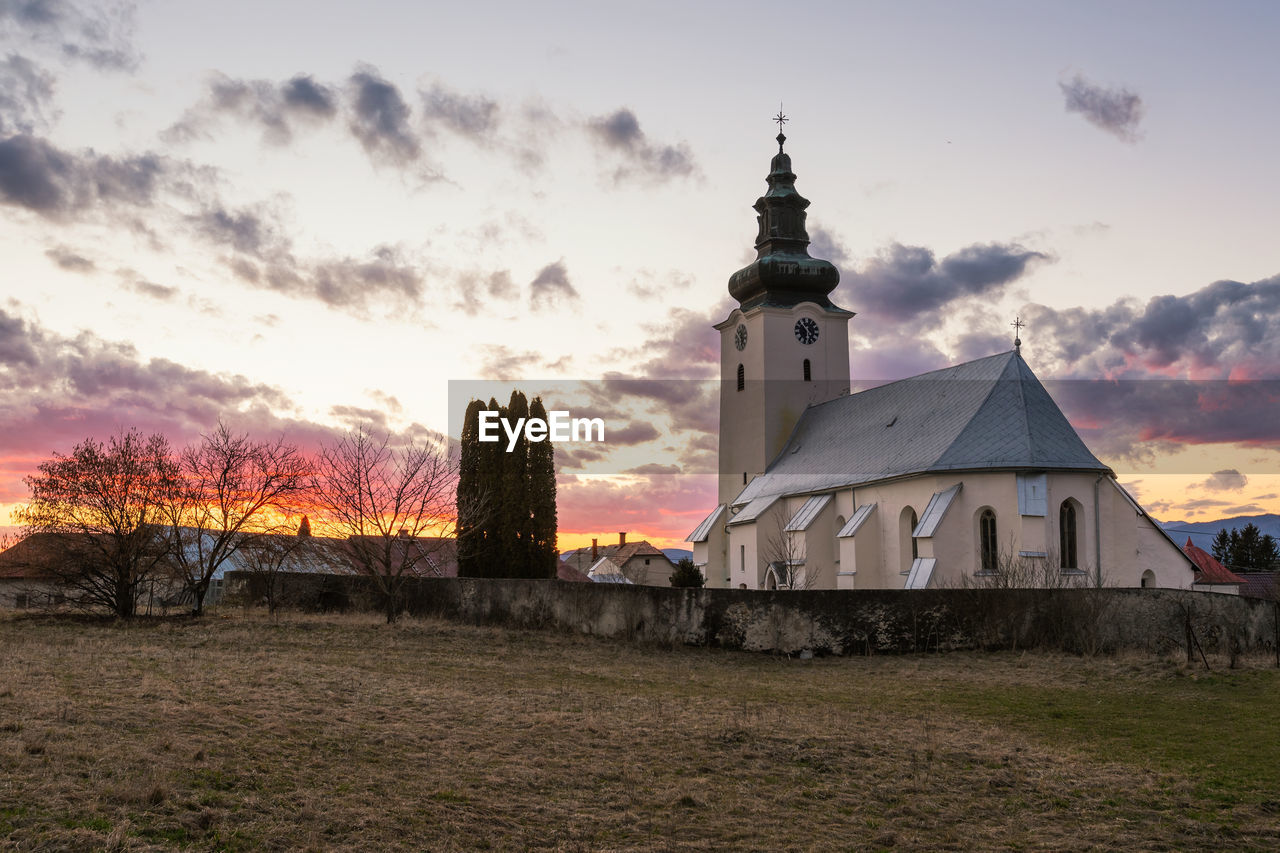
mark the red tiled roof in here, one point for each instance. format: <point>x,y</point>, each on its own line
<point>1208,569</point>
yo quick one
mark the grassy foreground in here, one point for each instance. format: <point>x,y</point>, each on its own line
<point>236,732</point>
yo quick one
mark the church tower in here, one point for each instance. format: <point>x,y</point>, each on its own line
<point>786,346</point>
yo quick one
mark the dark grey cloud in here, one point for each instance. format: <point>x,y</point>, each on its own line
<point>70,260</point>
<point>47,180</point>
<point>26,91</point>
<point>653,469</point>
<point>380,118</point>
<point>826,245</point>
<point>551,288</point>
<point>473,116</point>
<point>636,432</point>
<point>908,283</point>
<point>245,230</point>
<point>1225,329</point>
<point>276,108</point>
<point>620,134</point>
<point>384,282</point>
<point>1228,480</point>
<point>98,34</point>
<point>1117,111</point>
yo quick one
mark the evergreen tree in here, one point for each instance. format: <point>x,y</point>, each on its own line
<point>542,501</point>
<point>506,501</point>
<point>1247,549</point>
<point>491,458</point>
<point>1222,546</point>
<point>470,520</point>
<point>687,574</point>
<point>515,531</point>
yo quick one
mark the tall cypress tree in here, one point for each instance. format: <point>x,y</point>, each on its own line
<point>542,501</point>
<point>488,562</point>
<point>470,528</point>
<point>515,493</point>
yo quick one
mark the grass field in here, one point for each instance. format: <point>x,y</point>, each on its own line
<point>236,732</point>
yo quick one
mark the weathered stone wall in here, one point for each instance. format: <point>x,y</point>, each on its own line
<point>825,621</point>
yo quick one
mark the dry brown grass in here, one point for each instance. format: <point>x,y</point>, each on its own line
<point>316,733</point>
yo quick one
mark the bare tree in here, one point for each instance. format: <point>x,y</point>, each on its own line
<point>103,507</point>
<point>229,489</point>
<point>783,554</point>
<point>392,504</point>
<point>268,557</point>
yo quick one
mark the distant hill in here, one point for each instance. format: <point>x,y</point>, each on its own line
<point>1202,532</point>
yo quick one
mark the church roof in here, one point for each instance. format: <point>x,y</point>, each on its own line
<point>989,413</point>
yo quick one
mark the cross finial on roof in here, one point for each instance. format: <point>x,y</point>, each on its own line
<point>1017,334</point>
<point>781,120</point>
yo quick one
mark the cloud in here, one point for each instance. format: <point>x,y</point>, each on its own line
<point>59,390</point>
<point>1229,480</point>
<point>908,283</point>
<point>380,118</point>
<point>25,92</point>
<point>1117,111</point>
<point>1222,331</point>
<point>826,245</point>
<point>98,34</point>
<point>276,108</point>
<point>478,292</point>
<point>54,183</point>
<point>619,134</point>
<point>472,116</point>
<point>158,292</point>
<point>636,432</point>
<point>69,260</point>
<point>551,288</point>
<point>384,279</point>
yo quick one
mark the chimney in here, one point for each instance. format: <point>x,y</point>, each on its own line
<point>622,538</point>
<point>595,551</point>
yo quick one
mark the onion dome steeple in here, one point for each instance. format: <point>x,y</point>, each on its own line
<point>783,274</point>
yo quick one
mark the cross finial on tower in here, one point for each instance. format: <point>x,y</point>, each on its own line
<point>781,120</point>
<point>1018,326</point>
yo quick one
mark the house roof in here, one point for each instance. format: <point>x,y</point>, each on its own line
<point>1208,569</point>
<point>580,558</point>
<point>988,413</point>
<point>34,557</point>
<point>1260,585</point>
<point>565,572</point>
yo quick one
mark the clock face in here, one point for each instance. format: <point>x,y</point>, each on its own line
<point>740,337</point>
<point>806,331</point>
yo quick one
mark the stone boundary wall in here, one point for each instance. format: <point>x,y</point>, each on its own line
<point>821,621</point>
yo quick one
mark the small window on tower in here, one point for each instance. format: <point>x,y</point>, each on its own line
<point>742,378</point>
<point>808,374</point>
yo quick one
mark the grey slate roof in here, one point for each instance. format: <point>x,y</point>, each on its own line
<point>987,413</point>
<point>703,531</point>
<point>934,512</point>
<point>856,521</point>
<point>806,515</point>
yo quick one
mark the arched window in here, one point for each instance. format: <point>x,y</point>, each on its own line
<point>742,378</point>
<point>907,548</point>
<point>987,540</point>
<point>808,374</point>
<point>1148,579</point>
<point>1067,535</point>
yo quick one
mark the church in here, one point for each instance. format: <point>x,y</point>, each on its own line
<point>966,476</point>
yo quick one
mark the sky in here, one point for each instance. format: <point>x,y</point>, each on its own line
<point>303,217</point>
